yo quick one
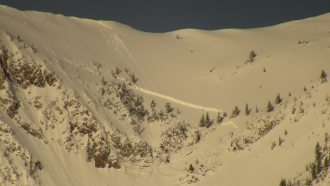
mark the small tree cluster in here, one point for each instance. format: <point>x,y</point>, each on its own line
<point>235,112</point>
<point>133,78</point>
<point>205,121</point>
<point>319,167</point>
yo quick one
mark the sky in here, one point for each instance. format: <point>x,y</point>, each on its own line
<point>168,15</point>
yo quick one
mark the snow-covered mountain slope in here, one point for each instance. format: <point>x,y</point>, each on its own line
<point>87,102</point>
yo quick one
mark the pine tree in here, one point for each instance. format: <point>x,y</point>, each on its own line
<point>140,112</point>
<point>207,120</point>
<point>283,182</point>
<point>269,107</point>
<point>278,99</point>
<point>323,77</point>
<point>202,121</point>
<point>133,78</point>
<point>235,112</point>
<point>138,101</point>
<point>313,171</point>
<point>247,110</point>
<point>198,136</point>
<point>152,104</point>
<point>191,168</point>
<point>168,108</point>
<point>325,164</point>
<point>318,158</point>
<point>280,140</point>
<point>117,71</point>
<point>89,151</point>
<point>219,118</point>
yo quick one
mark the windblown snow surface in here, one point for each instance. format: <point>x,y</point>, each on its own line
<point>68,117</point>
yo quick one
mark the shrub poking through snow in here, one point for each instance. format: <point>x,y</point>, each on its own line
<point>252,55</point>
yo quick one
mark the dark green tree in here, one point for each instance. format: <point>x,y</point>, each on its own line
<point>197,136</point>
<point>269,107</point>
<point>278,99</point>
<point>191,168</point>
<point>219,118</point>
<point>168,108</point>
<point>207,120</point>
<point>313,171</point>
<point>325,164</point>
<point>247,110</point>
<point>202,121</point>
<point>235,112</point>
<point>323,77</point>
<point>318,158</point>
<point>283,182</point>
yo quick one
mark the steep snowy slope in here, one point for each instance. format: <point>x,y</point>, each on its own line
<point>87,102</point>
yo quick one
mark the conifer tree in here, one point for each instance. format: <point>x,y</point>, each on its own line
<point>202,121</point>
<point>207,120</point>
<point>168,108</point>
<point>278,99</point>
<point>318,158</point>
<point>325,164</point>
<point>313,171</point>
<point>247,110</point>
<point>269,107</point>
<point>280,140</point>
<point>198,136</point>
<point>117,71</point>
<point>235,112</point>
<point>323,77</point>
<point>152,104</point>
<point>283,182</point>
<point>191,168</point>
<point>219,118</point>
<point>133,78</point>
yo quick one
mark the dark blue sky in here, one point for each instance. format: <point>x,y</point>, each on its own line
<point>169,15</point>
